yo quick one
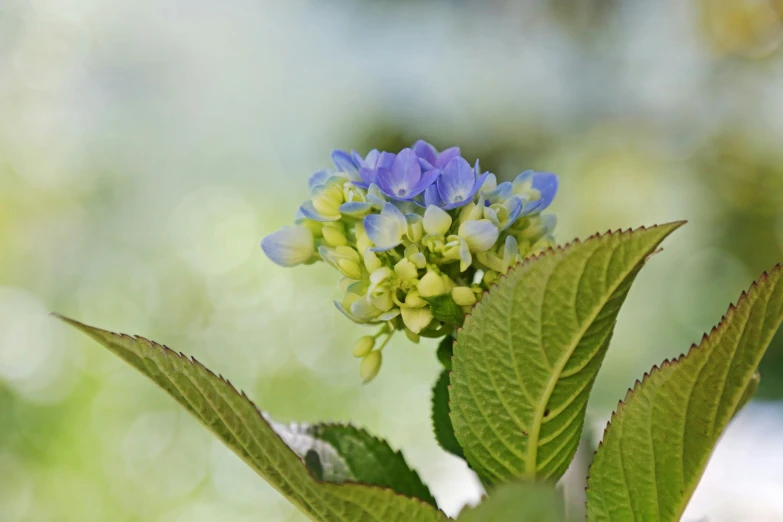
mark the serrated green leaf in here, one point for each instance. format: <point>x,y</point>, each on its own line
<point>441,421</point>
<point>659,441</point>
<point>518,502</point>
<point>371,460</point>
<point>528,354</point>
<point>236,421</point>
<point>445,309</point>
<point>446,351</point>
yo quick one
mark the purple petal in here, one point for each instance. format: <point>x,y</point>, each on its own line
<point>432,196</point>
<point>446,156</point>
<point>456,182</point>
<point>425,182</point>
<point>368,176</point>
<point>385,160</point>
<point>546,183</point>
<point>515,209</point>
<point>426,152</point>
<point>371,160</point>
<point>318,178</point>
<point>403,177</point>
<point>425,165</point>
<point>470,194</point>
<point>344,162</point>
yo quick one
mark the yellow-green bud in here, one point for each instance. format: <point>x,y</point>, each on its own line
<point>362,239</point>
<point>415,231</point>
<point>363,346</point>
<point>490,276</point>
<point>436,221</point>
<point>415,338</point>
<point>418,260</point>
<point>314,226</point>
<point>371,261</point>
<point>370,366</point>
<point>334,235</point>
<point>329,201</point>
<point>350,268</point>
<point>406,270</point>
<point>413,300</point>
<point>431,284</point>
<point>463,295</point>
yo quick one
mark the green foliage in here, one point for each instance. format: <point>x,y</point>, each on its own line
<point>371,460</point>
<point>235,420</point>
<point>446,351</point>
<point>445,309</point>
<point>441,421</point>
<point>515,502</point>
<point>657,444</point>
<point>527,357</point>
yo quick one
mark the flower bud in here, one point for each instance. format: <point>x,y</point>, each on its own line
<point>362,239</point>
<point>463,295</point>
<point>289,246</point>
<point>370,366</point>
<point>436,221</point>
<point>413,300</point>
<point>334,235</point>
<point>363,346</point>
<point>431,284</point>
<point>415,231</point>
<point>350,268</point>
<point>371,261</point>
<point>406,270</point>
<point>418,260</point>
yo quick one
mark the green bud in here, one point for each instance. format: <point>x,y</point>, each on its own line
<point>415,231</point>
<point>350,268</point>
<point>371,261</point>
<point>414,338</point>
<point>436,221</point>
<point>334,235</point>
<point>363,346</point>
<point>463,296</point>
<point>370,366</point>
<point>362,239</point>
<point>418,260</point>
<point>413,300</point>
<point>490,276</point>
<point>431,284</point>
<point>406,270</point>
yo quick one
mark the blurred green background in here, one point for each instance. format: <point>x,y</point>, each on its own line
<point>147,146</point>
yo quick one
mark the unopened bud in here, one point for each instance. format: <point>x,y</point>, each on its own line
<point>363,346</point>
<point>463,295</point>
<point>350,268</point>
<point>333,235</point>
<point>406,270</point>
<point>370,366</point>
<point>431,284</point>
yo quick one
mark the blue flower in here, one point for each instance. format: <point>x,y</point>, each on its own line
<point>536,189</point>
<point>386,229</point>
<point>433,159</point>
<point>399,176</point>
<point>289,246</point>
<point>456,186</point>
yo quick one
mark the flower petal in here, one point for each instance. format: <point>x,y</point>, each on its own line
<point>371,160</point>
<point>446,156</point>
<point>355,208</point>
<point>364,310</point>
<point>346,313</point>
<point>456,182</point>
<point>385,160</point>
<point>425,182</point>
<point>547,184</point>
<point>386,229</point>
<point>344,162</point>
<point>289,246</point>
<point>436,220</point>
<point>469,196</point>
<point>426,152</point>
<point>309,211</point>
<point>317,179</point>
<point>416,319</point>
<point>432,196</point>
<point>515,206</point>
<point>403,177</point>
<point>480,235</point>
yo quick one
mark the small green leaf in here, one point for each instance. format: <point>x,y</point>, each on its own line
<point>659,441</point>
<point>518,502</point>
<point>445,309</point>
<point>371,460</point>
<point>446,351</point>
<point>236,421</point>
<point>441,421</point>
<point>528,354</point>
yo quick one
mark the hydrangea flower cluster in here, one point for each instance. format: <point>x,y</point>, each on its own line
<point>418,237</point>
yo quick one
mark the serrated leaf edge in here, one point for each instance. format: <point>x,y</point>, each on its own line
<point>666,363</point>
<point>84,328</point>
<point>559,249</point>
